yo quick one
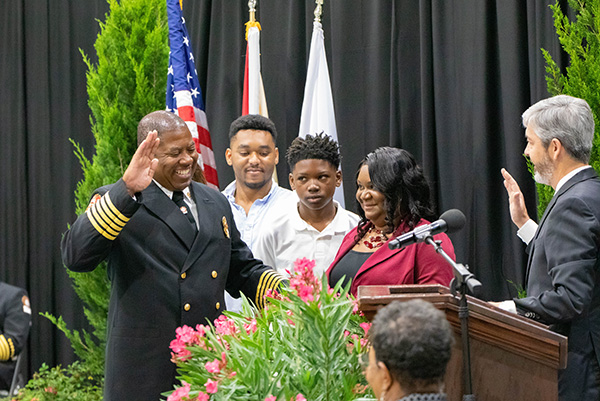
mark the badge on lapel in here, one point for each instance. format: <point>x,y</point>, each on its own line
<point>225,226</point>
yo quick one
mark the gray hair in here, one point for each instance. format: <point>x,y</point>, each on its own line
<point>414,340</point>
<point>162,121</point>
<point>566,118</point>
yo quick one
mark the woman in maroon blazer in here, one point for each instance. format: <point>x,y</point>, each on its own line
<point>393,197</point>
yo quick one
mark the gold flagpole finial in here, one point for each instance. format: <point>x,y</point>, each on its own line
<point>252,10</point>
<point>318,10</point>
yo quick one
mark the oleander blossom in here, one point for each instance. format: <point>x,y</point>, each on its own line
<point>181,394</point>
<point>185,337</point>
<point>257,353</point>
<point>304,282</point>
<point>211,386</point>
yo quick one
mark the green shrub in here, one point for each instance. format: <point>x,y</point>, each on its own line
<point>580,39</point>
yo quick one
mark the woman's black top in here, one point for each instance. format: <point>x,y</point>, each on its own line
<point>348,266</point>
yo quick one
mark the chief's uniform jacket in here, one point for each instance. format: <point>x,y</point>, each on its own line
<point>563,281</point>
<point>15,320</point>
<point>162,276</point>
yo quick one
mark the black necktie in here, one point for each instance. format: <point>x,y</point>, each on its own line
<point>178,199</point>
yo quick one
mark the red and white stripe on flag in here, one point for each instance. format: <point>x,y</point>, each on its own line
<point>184,95</point>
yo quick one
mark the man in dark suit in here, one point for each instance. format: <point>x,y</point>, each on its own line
<point>172,249</point>
<point>15,320</point>
<point>563,277</point>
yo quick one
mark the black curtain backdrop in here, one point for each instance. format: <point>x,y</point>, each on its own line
<point>445,79</point>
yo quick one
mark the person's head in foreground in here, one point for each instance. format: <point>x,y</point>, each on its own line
<point>410,347</point>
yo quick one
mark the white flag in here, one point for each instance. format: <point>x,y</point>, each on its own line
<point>317,107</point>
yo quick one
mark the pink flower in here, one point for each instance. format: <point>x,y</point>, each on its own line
<point>185,334</point>
<point>250,327</point>
<point>232,374</point>
<point>366,326</point>
<point>202,329</point>
<point>300,397</point>
<point>50,390</point>
<point>271,398</point>
<point>225,326</point>
<point>354,306</point>
<point>346,333</point>
<point>213,367</point>
<point>180,394</point>
<point>304,265</point>
<point>203,396</point>
<point>177,345</point>
<point>305,293</point>
<point>211,386</point>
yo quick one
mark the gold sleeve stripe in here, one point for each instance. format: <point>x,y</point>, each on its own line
<point>112,207</point>
<point>12,347</point>
<point>106,218</point>
<point>5,349</point>
<point>98,228</point>
<point>102,220</point>
<point>110,210</point>
<point>268,280</point>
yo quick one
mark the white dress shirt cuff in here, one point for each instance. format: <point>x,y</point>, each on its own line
<point>527,231</point>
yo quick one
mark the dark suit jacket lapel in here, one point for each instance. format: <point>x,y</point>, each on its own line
<point>206,223</point>
<point>155,200</point>
<point>579,177</point>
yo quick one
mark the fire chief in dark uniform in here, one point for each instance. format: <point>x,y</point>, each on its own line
<point>168,263</point>
<point>15,320</point>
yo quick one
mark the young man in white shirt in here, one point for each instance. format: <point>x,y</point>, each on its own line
<point>315,227</point>
<point>253,196</point>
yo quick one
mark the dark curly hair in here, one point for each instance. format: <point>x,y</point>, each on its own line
<point>414,341</point>
<point>395,173</point>
<point>252,122</point>
<point>320,146</point>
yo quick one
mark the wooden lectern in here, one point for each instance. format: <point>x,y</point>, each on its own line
<point>512,358</point>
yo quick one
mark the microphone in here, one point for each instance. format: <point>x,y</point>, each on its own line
<point>450,221</point>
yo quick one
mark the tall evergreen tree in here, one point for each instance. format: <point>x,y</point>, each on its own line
<point>580,39</point>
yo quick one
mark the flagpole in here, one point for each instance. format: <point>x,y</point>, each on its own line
<point>318,10</point>
<point>252,10</point>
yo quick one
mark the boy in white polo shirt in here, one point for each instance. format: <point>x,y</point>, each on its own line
<point>316,226</point>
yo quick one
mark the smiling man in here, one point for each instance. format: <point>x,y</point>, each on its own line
<point>314,227</point>
<point>172,248</point>
<point>563,270</point>
<point>253,196</point>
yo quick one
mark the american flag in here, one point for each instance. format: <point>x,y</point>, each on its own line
<point>184,95</point>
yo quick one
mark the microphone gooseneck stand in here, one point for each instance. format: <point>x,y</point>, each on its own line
<point>464,281</point>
